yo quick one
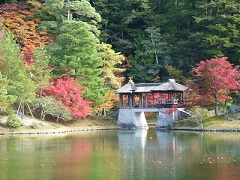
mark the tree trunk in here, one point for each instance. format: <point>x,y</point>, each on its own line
<point>155,50</point>
<point>68,10</point>
<point>216,104</point>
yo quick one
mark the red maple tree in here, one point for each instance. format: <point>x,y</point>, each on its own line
<point>66,90</point>
<point>216,79</point>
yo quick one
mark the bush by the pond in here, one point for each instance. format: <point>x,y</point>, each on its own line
<point>13,121</point>
<point>201,122</point>
<point>188,122</point>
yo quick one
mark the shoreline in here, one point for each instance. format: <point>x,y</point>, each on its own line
<point>205,130</point>
<point>51,131</point>
<point>40,127</point>
<point>36,126</point>
<point>64,131</point>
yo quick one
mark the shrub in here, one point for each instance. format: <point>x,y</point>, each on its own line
<point>49,105</point>
<point>14,122</point>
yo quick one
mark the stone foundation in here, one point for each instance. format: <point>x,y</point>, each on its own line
<point>135,118</point>
<point>128,119</point>
<point>166,117</point>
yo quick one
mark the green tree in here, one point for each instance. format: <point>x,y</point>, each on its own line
<point>133,28</point>
<point>61,10</point>
<point>220,23</point>
<point>5,98</point>
<point>75,51</point>
<point>155,44</point>
<point>180,32</point>
<point>41,73</point>
<point>19,85</point>
<point>123,22</point>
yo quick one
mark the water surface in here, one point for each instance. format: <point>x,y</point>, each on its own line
<point>135,154</point>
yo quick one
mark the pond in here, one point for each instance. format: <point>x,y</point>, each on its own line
<point>133,154</point>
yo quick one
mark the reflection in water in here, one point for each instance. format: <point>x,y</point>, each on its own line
<point>136,154</point>
<point>132,146</point>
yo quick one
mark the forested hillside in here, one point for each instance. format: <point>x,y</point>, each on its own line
<point>77,52</point>
<point>179,33</point>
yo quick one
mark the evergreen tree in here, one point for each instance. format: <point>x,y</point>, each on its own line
<point>75,51</point>
<point>5,98</point>
<point>220,24</point>
<point>20,86</point>
<point>41,70</point>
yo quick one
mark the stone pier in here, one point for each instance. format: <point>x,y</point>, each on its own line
<point>129,119</point>
<point>166,117</point>
<point>135,118</point>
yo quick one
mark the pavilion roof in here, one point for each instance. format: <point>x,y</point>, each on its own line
<point>150,87</point>
<point>170,86</point>
<point>127,88</point>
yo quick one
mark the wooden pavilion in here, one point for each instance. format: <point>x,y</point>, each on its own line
<point>135,99</point>
<point>149,95</point>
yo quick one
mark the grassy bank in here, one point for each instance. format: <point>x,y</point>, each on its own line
<point>208,123</point>
<point>33,125</point>
<point>36,125</point>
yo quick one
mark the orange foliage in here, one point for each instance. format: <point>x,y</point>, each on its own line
<point>111,99</point>
<point>19,19</point>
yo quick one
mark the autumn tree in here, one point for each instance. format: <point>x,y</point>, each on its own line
<point>20,20</point>
<point>111,68</point>
<point>111,73</point>
<point>215,80</point>
<point>66,90</point>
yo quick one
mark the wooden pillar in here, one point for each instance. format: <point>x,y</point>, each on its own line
<point>121,100</point>
<point>129,100</point>
<point>146,100</point>
<point>153,99</point>
<point>141,99</point>
<point>133,98</point>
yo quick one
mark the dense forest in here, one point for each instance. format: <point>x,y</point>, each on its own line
<point>77,52</point>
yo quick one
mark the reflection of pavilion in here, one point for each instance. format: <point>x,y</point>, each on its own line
<point>165,141</point>
<point>135,99</point>
<point>132,147</point>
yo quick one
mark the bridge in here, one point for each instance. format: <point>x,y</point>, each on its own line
<point>164,98</point>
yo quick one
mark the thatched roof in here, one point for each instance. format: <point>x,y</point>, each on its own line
<point>150,87</point>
